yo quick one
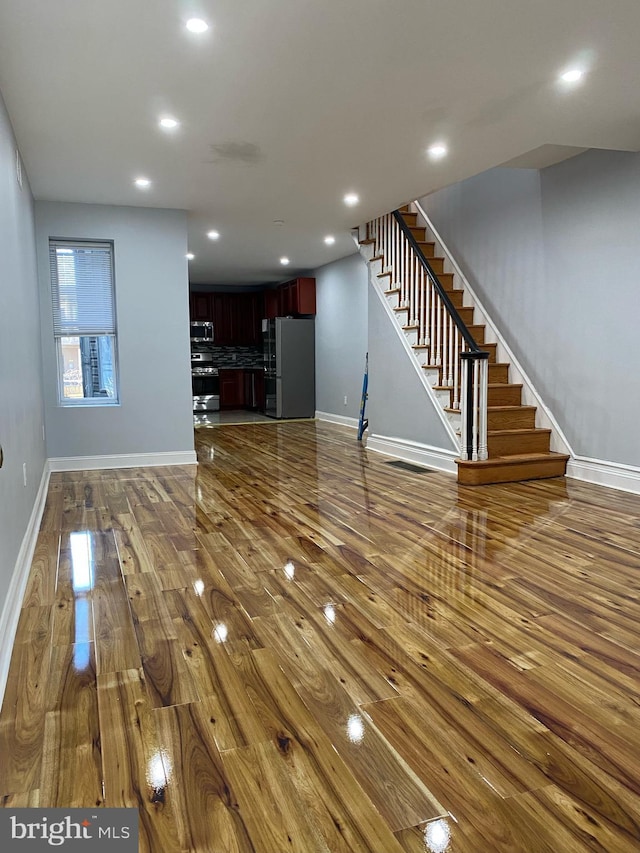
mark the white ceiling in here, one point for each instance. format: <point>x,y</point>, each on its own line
<point>288,104</point>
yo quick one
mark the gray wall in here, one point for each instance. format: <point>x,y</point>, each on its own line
<point>341,335</point>
<point>152,307</point>
<point>399,405</point>
<point>21,411</point>
<point>351,321</point>
<point>554,256</point>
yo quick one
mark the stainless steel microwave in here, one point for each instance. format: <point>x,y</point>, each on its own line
<point>202,330</point>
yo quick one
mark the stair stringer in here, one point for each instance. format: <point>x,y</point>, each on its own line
<point>530,397</point>
<point>428,378</point>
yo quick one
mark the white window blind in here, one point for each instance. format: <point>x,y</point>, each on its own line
<point>82,288</point>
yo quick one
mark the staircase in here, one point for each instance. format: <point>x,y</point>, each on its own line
<point>498,436</point>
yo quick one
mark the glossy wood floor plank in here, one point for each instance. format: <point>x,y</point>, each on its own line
<point>344,815</point>
<point>72,730</point>
<point>207,814</point>
<point>398,795</point>
<point>234,721</point>
<point>297,646</point>
<point>41,585</point>
<point>439,834</point>
<point>273,811</point>
<point>134,770</point>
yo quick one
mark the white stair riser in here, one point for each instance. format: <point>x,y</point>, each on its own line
<point>411,335</point>
<point>393,299</point>
<point>376,268</point>
<point>433,376</point>
<point>455,420</point>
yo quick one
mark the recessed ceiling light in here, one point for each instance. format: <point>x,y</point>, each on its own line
<point>329,240</point>
<point>197,25</point>
<point>142,183</point>
<point>189,256</point>
<point>572,75</point>
<point>168,123</point>
<point>213,235</point>
<point>351,199</point>
<point>437,151</point>
<point>284,261</point>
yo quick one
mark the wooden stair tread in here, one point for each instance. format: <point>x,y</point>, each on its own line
<point>515,459</point>
<point>513,408</point>
<point>503,384</point>
<point>518,431</point>
<point>510,408</point>
<point>391,291</point>
<point>512,468</point>
<point>493,364</point>
<point>428,248</point>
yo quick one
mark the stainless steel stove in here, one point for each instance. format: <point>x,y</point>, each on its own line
<point>205,383</point>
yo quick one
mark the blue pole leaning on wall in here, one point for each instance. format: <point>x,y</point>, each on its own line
<point>363,423</point>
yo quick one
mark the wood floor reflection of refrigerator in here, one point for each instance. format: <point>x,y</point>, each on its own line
<point>289,357</point>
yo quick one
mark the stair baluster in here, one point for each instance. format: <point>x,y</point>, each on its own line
<point>437,325</point>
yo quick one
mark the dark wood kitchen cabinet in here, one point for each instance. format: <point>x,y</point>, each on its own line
<point>254,397</point>
<point>249,308</point>
<point>223,319</point>
<point>200,306</point>
<point>296,297</point>
<point>236,317</point>
<point>231,388</point>
<point>272,303</point>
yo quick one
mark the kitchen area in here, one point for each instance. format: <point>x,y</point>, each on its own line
<point>253,353</point>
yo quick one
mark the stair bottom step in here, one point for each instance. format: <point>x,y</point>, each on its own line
<point>512,469</point>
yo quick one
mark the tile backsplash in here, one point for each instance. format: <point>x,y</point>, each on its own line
<point>232,356</point>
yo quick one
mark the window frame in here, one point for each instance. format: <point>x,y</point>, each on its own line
<point>84,402</point>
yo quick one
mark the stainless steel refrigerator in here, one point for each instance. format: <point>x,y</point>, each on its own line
<point>290,371</point>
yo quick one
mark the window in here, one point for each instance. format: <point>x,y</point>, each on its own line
<point>84,322</point>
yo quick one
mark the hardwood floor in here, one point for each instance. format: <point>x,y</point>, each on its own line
<point>302,647</point>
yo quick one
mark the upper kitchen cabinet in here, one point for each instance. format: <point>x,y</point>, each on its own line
<point>223,319</point>
<point>236,317</point>
<point>200,306</point>
<point>272,300</point>
<point>298,296</point>
<point>249,308</point>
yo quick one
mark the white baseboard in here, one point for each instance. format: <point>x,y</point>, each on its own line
<point>13,602</point>
<point>124,460</point>
<point>343,420</point>
<point>611,474</point>
<point>414,451</point>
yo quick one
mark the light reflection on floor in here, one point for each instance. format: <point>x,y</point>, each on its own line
<point>241,416</point>
<point>234,416</point>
